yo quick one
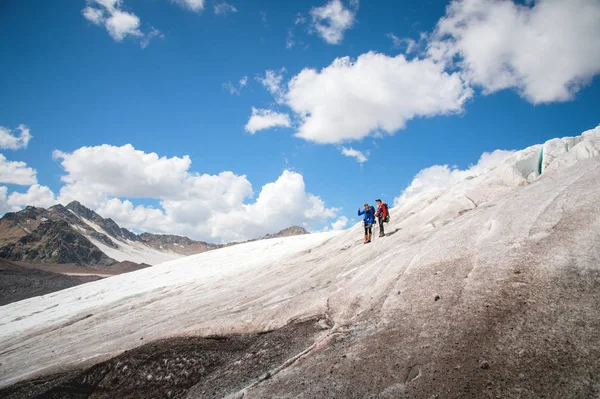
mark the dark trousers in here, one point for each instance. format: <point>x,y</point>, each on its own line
<point>381,232</point>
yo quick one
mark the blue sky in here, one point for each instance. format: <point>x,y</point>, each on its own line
<point>425,83</point>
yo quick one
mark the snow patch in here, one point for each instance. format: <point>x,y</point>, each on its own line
<point>136,252</point>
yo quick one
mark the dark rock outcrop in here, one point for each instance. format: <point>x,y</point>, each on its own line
<point>15,225</point>
<point>103,238</point>
<point>55,242</point>
<point>18,283</point>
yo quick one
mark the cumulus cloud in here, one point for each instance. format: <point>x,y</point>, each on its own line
<point>224,8</point>
<point>4,206</point>
<point>546,50</point>
<point>121,24</point>
<point>352,153</point>
<point>340,223</point>
<point>280,204</point>
<point>192,5</point>
<point>15,172</point>
<point>351,99</point>
<point>36,195</point>
<point>438,177</point>
<point>118,23</point>
<point>94,15</point>
<point>333,19</point>
<point>124,171</point>
<point>208,207</point>
<point>11,142</point>
<point>265,119</point>
<point>273,82</point>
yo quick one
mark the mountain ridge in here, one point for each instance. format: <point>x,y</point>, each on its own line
<point>77,234</point>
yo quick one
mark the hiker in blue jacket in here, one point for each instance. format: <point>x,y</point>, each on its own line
<point>368,221</point>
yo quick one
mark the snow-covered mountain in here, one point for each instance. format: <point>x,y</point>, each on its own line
<point>76,234</point>
<point>486,288</point>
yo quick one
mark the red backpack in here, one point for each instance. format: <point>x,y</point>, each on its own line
<point>387,213</point>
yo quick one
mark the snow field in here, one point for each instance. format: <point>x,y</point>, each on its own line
<point>466,235</point>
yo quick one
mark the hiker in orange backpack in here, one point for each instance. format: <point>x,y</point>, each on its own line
<point>383,215</point>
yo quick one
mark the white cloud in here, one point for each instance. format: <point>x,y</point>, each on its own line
<point>438,177</point>
<point>224,8</point>
<point>547,50</point>
<point>280,204</point>
<point>94,15</point>
<point>349,100</point>
<point>4,206</point>
<point>340,224</point>
<point>121,24</point>
<point>36,195</point>
<point>118,23</point>
<point>395,39</point>
<point>352,153</point>
<point>230,87</point>
<point>300,19</point>
<point>332,20</point>
<point>124,171</point>
<point>153,33</point>
<point>11,142</point>
<point>410,44</point>
<point>201,206</point>
<point>86,194</point>
<point>289,41</point>
<point>14,172</point>
<point>138,217</point>
<point>192,5</point>
<point>273,82</point>
<point>265,119</point>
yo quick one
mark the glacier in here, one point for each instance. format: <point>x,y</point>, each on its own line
<point>497,273</point>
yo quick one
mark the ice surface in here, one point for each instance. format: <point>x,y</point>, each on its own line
<point>473,228</point>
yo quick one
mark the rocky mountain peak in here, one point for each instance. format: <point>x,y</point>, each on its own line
<point>83,211</point>
<point>55,242</point>
<point>290,231</point>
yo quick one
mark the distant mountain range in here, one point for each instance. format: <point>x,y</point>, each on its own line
<point>75,234</point>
